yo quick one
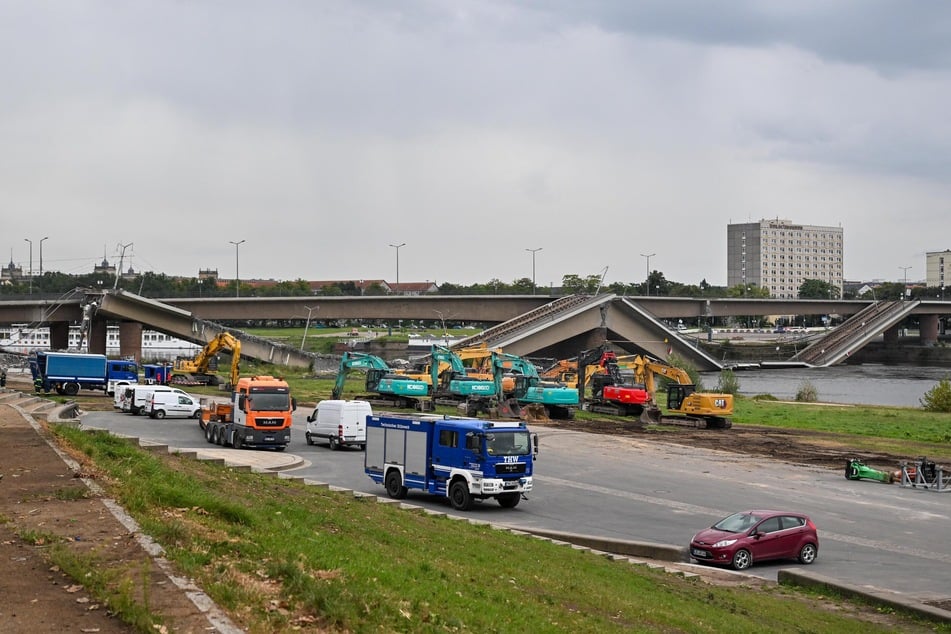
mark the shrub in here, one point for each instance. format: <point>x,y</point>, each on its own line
<point>677,361</point>
<point>938,398</point>
<point>807,393</point>
<point>765,397</point>
<point>728,383</point>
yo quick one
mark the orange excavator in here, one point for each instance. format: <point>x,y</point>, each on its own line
<point>685,405</point>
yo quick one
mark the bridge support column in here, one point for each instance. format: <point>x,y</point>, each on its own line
<point>97,336</point>
<point>130,340</point>
<point>928,329</point>
<point>890,336</point>
<point>59,335</point>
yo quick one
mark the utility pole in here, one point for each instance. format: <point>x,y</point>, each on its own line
<point>648,278</point>
<point>122,248</point>
<point>533,252</point>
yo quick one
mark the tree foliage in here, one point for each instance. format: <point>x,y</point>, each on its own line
<point>938,398</point>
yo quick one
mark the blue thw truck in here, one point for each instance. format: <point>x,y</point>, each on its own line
<point>463,459</point>
<point>67,372</point>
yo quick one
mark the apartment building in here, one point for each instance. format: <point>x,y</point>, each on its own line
<point>937,266</point>
<point>779,255</point>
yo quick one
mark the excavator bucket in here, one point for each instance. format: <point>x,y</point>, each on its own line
<point>509,408</point>
<point>534,412</point>
<point>651,415</point>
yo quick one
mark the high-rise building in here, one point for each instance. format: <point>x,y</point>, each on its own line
<point>779,255</point>
<point>937,266</point>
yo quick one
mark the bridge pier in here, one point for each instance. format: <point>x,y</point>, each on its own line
<point>890,336</point>
<point>130,340</point>
<point>97,336</point>
<point>59,335</point>
<point>928,329</point>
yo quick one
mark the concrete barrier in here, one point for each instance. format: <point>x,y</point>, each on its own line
<point>648,550</point>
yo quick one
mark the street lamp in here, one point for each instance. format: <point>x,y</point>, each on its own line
<point>41,254</point>
<point>397,247</point>
<point>237,276</point>
<point>648,278</point>
<point>904,290</point>
<point>533,252</point>
<point>307,325</point>
<point>31,264</point>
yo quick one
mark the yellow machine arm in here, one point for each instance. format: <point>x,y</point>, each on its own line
<point>199,365</point>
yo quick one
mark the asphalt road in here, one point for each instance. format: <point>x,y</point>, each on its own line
<point>871,534</point>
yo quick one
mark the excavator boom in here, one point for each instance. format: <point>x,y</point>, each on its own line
<point>195,371</point>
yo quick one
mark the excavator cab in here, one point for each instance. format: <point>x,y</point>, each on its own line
<point>677,394</point>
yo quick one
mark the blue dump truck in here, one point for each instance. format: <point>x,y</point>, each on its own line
<point>68,372</point>
<point>464,459</point>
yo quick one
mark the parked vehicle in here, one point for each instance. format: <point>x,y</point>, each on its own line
<point>259,415</point>
<point>752,536</point>
<point>463,459</point>
<point>340,423</point>
<point>139,396</point>
<point>121,394</point>
<point>68,372</point>
<point>164,404</point>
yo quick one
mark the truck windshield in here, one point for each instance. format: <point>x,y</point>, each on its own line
<point>512,443</point>
<point>269,401</point>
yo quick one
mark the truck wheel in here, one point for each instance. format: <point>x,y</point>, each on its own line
<point>71,389</point>
<point>310,440</point>
<point>209,429</point>
<point>459,496</point>
<point>394,485</point>
<point>334,443</point>
<point>509,500</point>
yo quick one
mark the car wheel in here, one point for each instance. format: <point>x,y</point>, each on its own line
<point>159,413</point>
<point>197,414</point>
<point>459,496</point>
<point>309,438</point>
<point>742,559</point>
<point>807,554</point>
<point>394,485</point>
<point>334,443</point>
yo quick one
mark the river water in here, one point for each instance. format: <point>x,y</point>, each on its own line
<point>856,384</point>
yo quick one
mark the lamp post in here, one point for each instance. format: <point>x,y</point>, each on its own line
<point>397,247</point>
<point>41,254</point>
<point>648,278</point>
<point>31,264</point>
<point>904,288</point>
<point>307,325</point>
<point>533,252</point>
<point>237,276</point>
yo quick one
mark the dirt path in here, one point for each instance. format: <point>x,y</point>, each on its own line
<point>44,505</point>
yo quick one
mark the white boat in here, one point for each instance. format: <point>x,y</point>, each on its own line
<point>23,339</point>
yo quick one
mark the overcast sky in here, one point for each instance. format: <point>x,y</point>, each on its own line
<point>322,132</point>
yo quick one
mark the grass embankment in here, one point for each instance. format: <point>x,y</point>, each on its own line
<point>284,556</point>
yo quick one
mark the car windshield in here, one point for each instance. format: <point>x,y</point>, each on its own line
<point>516,443</point>
<point>736,523</point>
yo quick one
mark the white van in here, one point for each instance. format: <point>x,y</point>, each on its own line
<point>122,394</point>
<point>141,394</point>
<point>339,423</point>
<point>173,405</point>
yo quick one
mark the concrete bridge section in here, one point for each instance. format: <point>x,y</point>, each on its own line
<point>568,325</point>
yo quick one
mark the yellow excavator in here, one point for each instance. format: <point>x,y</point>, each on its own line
<point>478,364</point>
<point>196,371</point>
<point>685,406</point>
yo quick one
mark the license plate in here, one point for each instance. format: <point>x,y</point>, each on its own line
<point>269,439</point>
<point>696,552</point>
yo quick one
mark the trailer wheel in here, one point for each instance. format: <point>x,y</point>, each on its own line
<point>459,496</point>
<point>509,500</point>
<point>208,431</point>
<point>394,485</point>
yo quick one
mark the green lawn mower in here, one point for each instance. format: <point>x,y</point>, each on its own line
<point>855,469</point>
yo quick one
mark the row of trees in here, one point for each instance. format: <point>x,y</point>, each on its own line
<point>161,285</point>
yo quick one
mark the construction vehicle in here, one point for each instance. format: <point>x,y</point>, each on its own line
<point>386,387</point>
<point>461,459</point>
<point>451,385</point>
<point>197,371</point>
<point>259,415</point>
<point>611,393</point>
<point>855,469</point>
<point>478,365</point>
<point>685,406</point>
<point>530,399</point>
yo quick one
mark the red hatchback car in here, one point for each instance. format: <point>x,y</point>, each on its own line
<point>748,536</point>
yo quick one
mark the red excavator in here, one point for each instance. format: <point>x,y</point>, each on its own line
<point>611,393</point>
